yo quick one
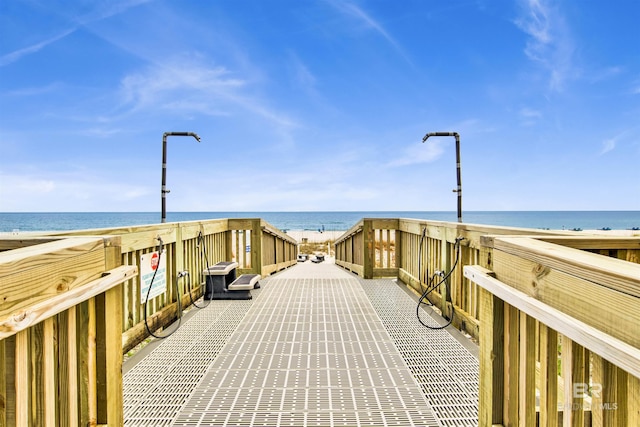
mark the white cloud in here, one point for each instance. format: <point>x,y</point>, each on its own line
<point>608,145</point>
<point>18,54</point>
<point>550,44</point>
<point>186,84</point>
<point>419,153</point>
<point>102,11</point>
<point>361,16</point>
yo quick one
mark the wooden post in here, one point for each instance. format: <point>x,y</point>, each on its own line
<point>109,348</point>
<point>445,266</point>
<point>368,248</point>
<point>398,248</point>
<point>256,246</point>
<point>179,266</point>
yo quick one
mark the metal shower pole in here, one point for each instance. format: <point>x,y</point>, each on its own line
<point>163,189</point>
<point>458,166</point>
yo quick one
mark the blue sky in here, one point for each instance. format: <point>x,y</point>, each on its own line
<point>319,105</point>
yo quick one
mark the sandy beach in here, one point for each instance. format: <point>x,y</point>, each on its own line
<point>314,236</point>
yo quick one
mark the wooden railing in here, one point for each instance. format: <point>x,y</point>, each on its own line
<point>400,247</point>
<point>257,246</point>
<point>585,286</point>
<point>60,331</point>
<point>561,324</point>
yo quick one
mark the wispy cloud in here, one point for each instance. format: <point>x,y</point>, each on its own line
<point>18,54</point>
<point>108,9</point>
<point>529,116</point>
<point>419,153</point>
<point>363,17</point>
<point>189,85</point>
<point>608,145</point>
<point>550,43</point>
<point>158,84</point>
<point>102,11</point>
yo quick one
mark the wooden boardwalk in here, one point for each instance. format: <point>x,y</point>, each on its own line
<point>317,346</point>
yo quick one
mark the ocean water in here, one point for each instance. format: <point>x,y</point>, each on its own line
<point>340,221</point>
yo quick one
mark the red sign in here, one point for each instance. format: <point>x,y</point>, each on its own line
<point>155,258</point>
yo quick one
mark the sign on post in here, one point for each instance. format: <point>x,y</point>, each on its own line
<point>150,264</point>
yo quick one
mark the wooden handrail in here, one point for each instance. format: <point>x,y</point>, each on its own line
<point>614,350</point>
<point>36,313</point>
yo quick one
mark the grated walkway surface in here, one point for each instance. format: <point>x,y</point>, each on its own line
<point>317,346</point>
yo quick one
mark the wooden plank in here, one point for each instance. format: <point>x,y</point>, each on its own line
<point>8,409</point>
<point>37,366</point>
<point>616,351</point>
<point>22,379</point>
<point>593,241</point>
<point>50,373</point>
<point>597,377</point>
<point>491,378</point>
<point>72,370</point>
<point>190,230</point>
<point>548,376</point>
<point>8,243</point>
<point>65,351</point>
<point>511,365</point>
<point>134,238</point>
<point>613,273</point>
<point>113,362</point>
<point>556,288</point>
<point>38,273</point>
<point>566,365</point>
<point>527,372</point>
<point>3,384</point>
<point>42,310</point>
<point>92,363</point>
<point>82,345</point>
<point>578,375</point>
<point>385,272</point>
<point>633,400</point>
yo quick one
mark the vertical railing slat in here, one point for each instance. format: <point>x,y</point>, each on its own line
<point>548,376</point>
<point>527,372</point>
<point>491,378</point>
<point>23,395</point>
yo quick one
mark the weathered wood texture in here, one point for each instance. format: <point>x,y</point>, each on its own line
<point>53,371</point>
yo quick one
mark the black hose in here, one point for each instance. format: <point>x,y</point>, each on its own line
<point>432,287</point>
<point>179,300</point>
